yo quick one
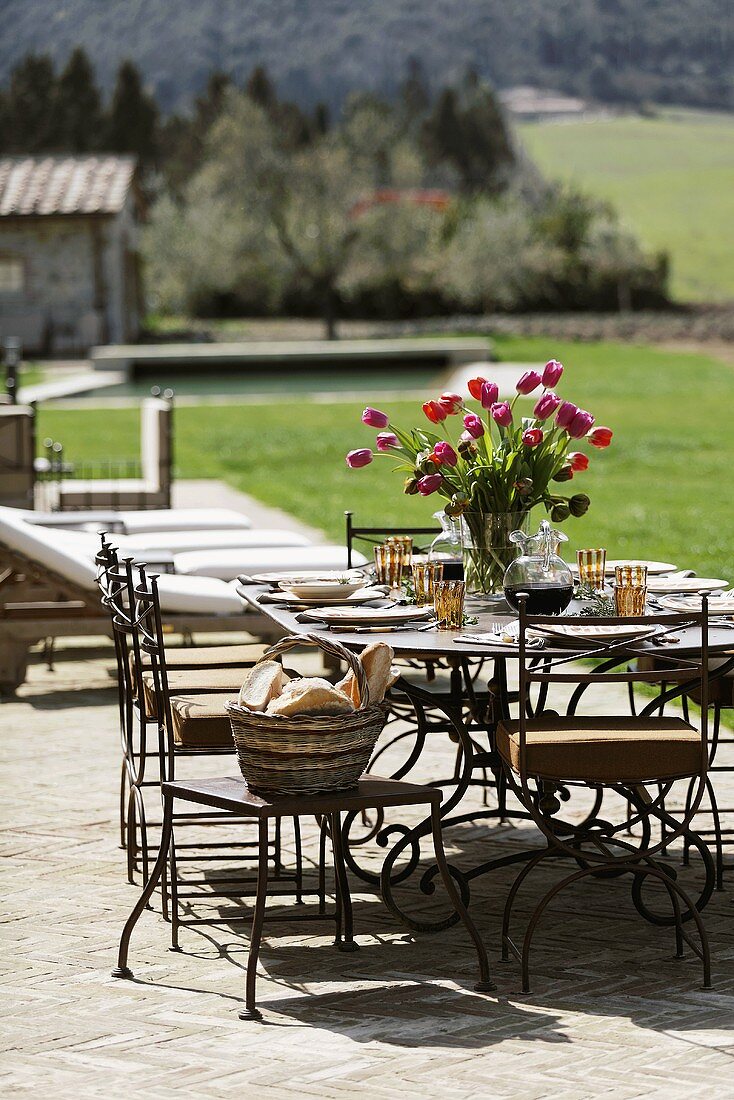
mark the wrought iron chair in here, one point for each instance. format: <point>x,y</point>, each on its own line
<point>624,754</point>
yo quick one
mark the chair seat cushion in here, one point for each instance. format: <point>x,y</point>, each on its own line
<point>195,681</point>
<point>603,750</point>
<point>211,656</point>
<point>201,722</point>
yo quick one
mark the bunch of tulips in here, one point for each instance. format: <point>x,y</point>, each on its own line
<point>498,461</point>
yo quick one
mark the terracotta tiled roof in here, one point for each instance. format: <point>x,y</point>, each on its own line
<point>64,184</point>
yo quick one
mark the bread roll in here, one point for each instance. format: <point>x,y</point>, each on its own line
<point>377,662</point>
<point>310,695</point>
<point>350,687</point>
<point>262,683</point>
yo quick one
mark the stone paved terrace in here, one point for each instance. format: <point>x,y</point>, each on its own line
<point>612,1014</point>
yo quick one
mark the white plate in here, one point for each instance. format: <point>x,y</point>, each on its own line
<point>718,605</point>
<point>670,585</point>
<point>307,576</point>
<point>369,616</point>
<point>601,633</point>
<point>652,566</point>
<point>365,595</point>
<point>324,590</point>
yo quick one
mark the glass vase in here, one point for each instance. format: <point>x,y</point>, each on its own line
<point>487,549</point>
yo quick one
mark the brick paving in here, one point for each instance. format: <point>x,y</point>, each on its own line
<point>612,1014</point>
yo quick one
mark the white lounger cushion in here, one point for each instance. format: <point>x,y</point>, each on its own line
<point>184,519</point>
<point>182,541</point>
<point>228,564</point>
<point>199,596</point>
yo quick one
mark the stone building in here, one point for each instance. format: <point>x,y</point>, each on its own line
<point>69,263</point>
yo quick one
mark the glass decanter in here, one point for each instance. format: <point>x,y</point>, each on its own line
<point>540,572</point>
<point>446,547</point>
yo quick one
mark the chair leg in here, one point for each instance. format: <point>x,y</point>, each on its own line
<point>173,881</point>
<point>123,804</point>
<point>322,867</point>
<point>250,1011</point>
<point>514,890</point>
<point>485,983</point>
<point>299,859</point>
<point>343,896</point>
<point>122,970</point>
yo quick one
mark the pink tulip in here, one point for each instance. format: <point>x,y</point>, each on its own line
<point>528,382</point>
<point>429,484</point>
<point>474,385</point>
<point>532,437</point>
<point>566,412</point>
<point>546,405</point>
<point>552,372</point>
<point>445,454</point>
<point>600,437</point>
<point>361,457</point>
<point>451,402</point>
<point>579,461</point>
<point>373,418</point>
<point>502,413</point>
<point>435,411</point>
<point>580,424</point>
<point>474,425</point>
<point>490,393</point>
<point>386,440</point>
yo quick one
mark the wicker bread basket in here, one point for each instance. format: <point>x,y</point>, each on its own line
<point>307,753</point>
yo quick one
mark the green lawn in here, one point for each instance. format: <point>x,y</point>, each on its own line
<point>663,490</point>
<point>670,177</point>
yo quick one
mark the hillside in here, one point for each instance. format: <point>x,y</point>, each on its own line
<point>669,178</point>
<point>674,51</point>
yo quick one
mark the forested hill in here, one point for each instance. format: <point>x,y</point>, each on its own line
<point>669,51</point>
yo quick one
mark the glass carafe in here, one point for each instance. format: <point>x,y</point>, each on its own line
<point>540,572</point>
<point>446,547</point>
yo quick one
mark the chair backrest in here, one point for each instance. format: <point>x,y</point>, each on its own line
<point>375,535</point>
<point>156,440</point>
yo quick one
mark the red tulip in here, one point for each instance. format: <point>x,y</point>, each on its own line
<point>429,484</point>
<point>474,425</point>
<point>579,461</point>
<point>552,372</point>
<point>451,402</point>
<point>373,418</point>
<point>528,382</point>
<point>445,454</point>
<point>580,424</point>
<point>474,385</point>
<point>502,413</point>
<point>566,412</point>
<point>546,405</point>
<point>600,437</point>
<point>490,393</point>
<point>361,457</point>
<point>435,411</point>
<point>386,440</point>
<point>532,437</point>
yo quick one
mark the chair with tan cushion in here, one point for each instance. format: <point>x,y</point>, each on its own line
<point>545,752</point>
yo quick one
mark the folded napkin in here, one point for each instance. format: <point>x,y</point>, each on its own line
<point>507,635</point>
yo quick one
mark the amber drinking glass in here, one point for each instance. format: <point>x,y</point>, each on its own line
<point>405,544</point>
<point>448,603</point>
<point>591,564</point>
<point>425,575</point>
<point>630,590</point>
<point>389,564</point>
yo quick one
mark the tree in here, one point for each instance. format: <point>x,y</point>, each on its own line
<point>260,88</point>
<point>467,130</point>
<point>28,123</point>
<point>133,116</point>
<point>77,112</point>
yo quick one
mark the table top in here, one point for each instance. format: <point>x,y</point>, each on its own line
<point>442,643</point>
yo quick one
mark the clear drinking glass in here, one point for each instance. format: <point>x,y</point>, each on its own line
<point>425,575</point>
<point>389,564</point>
<point>630,590</point>
<point>448,603</point>
<point>591,565</point>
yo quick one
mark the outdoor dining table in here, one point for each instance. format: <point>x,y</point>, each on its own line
<point>417,643</point>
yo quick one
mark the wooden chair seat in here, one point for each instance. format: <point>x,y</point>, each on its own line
<point>603,750</point>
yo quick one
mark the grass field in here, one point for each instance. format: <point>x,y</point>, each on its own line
<point>663,490</point>
<point>670,177</point>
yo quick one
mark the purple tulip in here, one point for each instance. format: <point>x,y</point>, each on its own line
<point>546,405</point>
<point>502,413</point>
<point>445,454</point>
<point>373,418</point>
<point>528,382</point>
<point>582,422</point>
<point>552,372</point>
<point>429,484</point>
<point>490,393</point>
<point>566,412</point>
<point>474,425</point>
<point>361,457</point>
<point>386,440</point>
